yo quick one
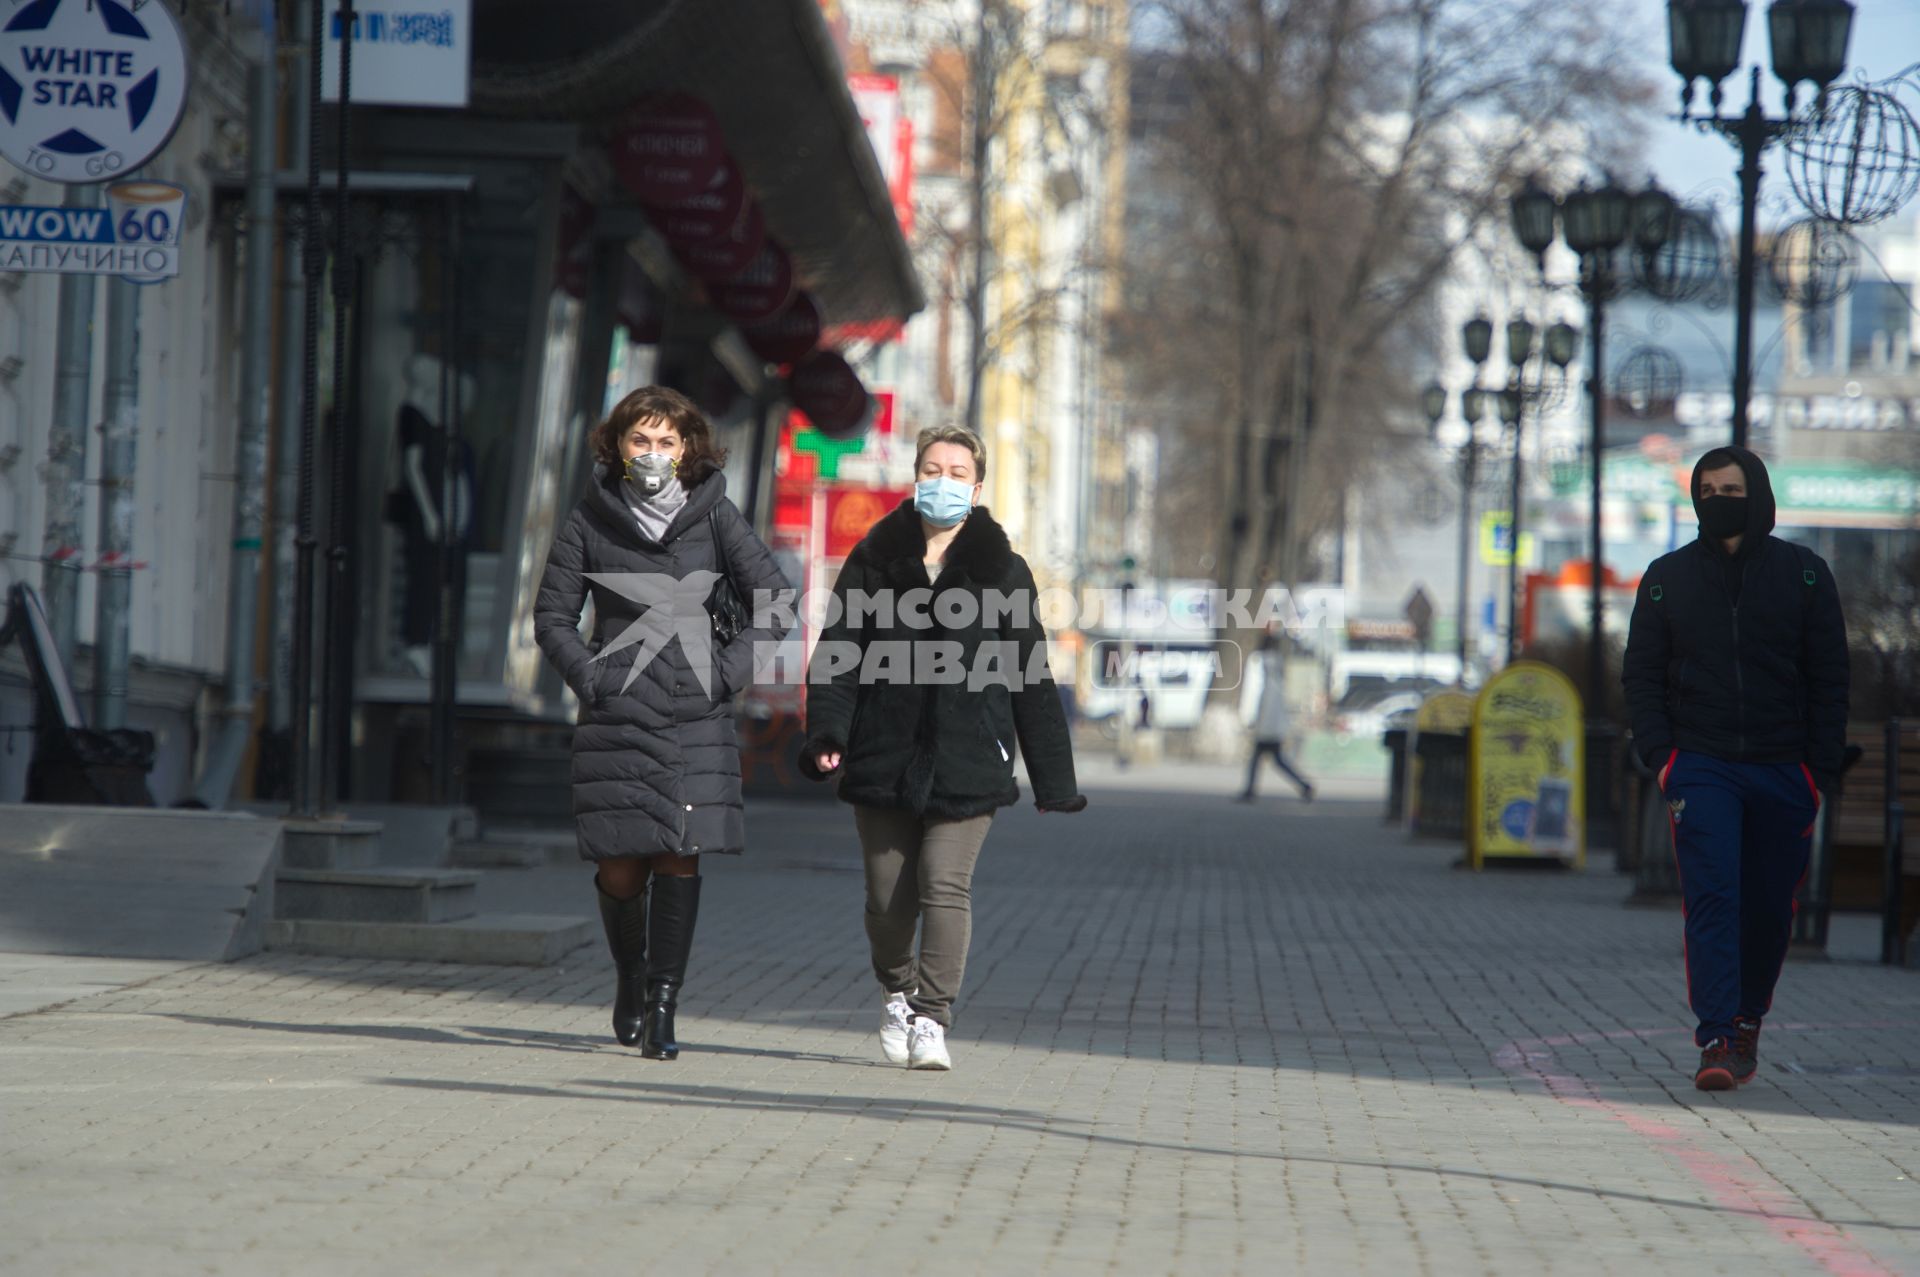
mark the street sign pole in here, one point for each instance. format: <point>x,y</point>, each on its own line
<point>67,449</point>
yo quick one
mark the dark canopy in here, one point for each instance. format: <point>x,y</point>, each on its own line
<point>769,70</point>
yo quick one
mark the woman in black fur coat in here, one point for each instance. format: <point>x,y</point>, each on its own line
<point>930,678</point>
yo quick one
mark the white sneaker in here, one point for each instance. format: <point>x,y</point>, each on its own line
<point>927,1045</point>
<point>894,1015</point>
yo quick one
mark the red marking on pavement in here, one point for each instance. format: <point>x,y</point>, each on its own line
<point>1734,1180</point>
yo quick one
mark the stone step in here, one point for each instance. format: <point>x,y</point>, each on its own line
<point>518,849</point>
<point>496,939</point>
<point>376,895</point>
<point>330,844</point>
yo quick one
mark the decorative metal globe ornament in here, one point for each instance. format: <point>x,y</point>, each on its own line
<point>1648,381</point>
<point>1813,262</point>
<point>1691,265</point>
<point>1858,162</point>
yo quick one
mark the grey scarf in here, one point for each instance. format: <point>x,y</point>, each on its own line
<point>654,513</point>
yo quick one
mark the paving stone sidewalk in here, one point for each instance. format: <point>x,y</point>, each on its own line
<point>1196,1038</point>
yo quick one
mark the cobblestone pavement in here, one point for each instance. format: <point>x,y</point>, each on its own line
<point>1196,1037</point>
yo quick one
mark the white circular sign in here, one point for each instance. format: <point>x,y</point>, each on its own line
<point>89,89</point>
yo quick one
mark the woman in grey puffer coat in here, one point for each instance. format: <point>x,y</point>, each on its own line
<point>656,764</point>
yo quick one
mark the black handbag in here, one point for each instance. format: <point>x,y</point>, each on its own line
<point>724,604</point>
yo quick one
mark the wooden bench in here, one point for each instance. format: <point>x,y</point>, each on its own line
<point>1858,830</point>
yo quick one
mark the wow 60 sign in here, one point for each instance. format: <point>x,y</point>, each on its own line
<point>89,89</point>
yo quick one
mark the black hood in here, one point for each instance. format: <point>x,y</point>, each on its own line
<point>1760,504</point>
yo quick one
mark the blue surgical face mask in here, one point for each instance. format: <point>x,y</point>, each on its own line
<point>942,502</point>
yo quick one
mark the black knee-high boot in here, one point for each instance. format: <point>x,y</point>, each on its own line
<point>670,919</point>
<point>626,924</point>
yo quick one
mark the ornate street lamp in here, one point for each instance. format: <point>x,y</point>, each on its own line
<point>1808,41</point>
<point>1562,337</point>
<point>1476,340</point>
<point>1519,341</point>
<point>1534,209</point>
<point>1473,406</point>
<point>1597,222</point>
<point>1653,218</point>
<point>1477,337</point>
<point>1704,38</point>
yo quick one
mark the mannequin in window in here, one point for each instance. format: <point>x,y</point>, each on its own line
<point>415,505</point>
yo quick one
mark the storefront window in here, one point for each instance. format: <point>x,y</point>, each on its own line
<point>406,335</point>
<point>557,428</point>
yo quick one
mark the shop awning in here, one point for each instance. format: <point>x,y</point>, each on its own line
<point>769,70</point>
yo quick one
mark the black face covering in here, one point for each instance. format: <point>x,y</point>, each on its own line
<point>1722,517</point>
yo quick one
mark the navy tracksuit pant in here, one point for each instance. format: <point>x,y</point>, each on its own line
<point>1741,833</point>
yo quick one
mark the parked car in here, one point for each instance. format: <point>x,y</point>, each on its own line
<point>1360,714</point>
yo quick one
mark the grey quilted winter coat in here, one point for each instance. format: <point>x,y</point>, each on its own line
<point>656,764</point>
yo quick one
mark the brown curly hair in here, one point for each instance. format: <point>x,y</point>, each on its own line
<point>701,456</point>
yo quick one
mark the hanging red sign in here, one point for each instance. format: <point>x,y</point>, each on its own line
<point>789,336</point>
<point>671,148</point>
<point>732,253</point>
<point>759,291</point>
<point>883,405</point>
<point>828,391</point>
<point>706,216</point>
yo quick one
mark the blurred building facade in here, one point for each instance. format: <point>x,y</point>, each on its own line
<point>509,240</point>
<point>183,484</point>
<point>1054,76</point>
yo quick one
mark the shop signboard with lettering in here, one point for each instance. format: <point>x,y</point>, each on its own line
<point>670,149</point>
<point>1809,493</point>
<point>136,236</point>
<point>89,90</point>
<point>1526,788</point>
<point>405,52</point>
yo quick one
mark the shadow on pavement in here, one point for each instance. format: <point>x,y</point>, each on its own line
<point>901,1108</point>
<point>1188,929</point>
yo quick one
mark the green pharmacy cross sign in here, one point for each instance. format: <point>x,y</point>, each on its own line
<point>828,451</point>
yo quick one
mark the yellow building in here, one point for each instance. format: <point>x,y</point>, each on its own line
<point>1056,169</point>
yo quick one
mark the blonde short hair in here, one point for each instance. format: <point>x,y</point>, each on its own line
<point>956,435</point>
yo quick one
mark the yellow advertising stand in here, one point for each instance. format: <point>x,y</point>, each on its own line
<point>1444,713</point>
<point>1526,797</point>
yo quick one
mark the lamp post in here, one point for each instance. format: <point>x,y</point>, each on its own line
<point>1809,43</point>
<point>1433,401</point>
<point>1513,406</point>
<point>1596,224</point>
<point>1473,407</point>
<point>1476,339</point>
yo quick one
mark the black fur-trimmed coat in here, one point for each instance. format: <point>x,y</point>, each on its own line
<point>939,748</point>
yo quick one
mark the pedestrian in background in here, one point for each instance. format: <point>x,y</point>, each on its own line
<point>656,764</point>
<point>1736,682</point>
<point>926,764</point>
<point>1263,708</point>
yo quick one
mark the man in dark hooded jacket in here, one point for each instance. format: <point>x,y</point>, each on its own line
<point>1736,683</point>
